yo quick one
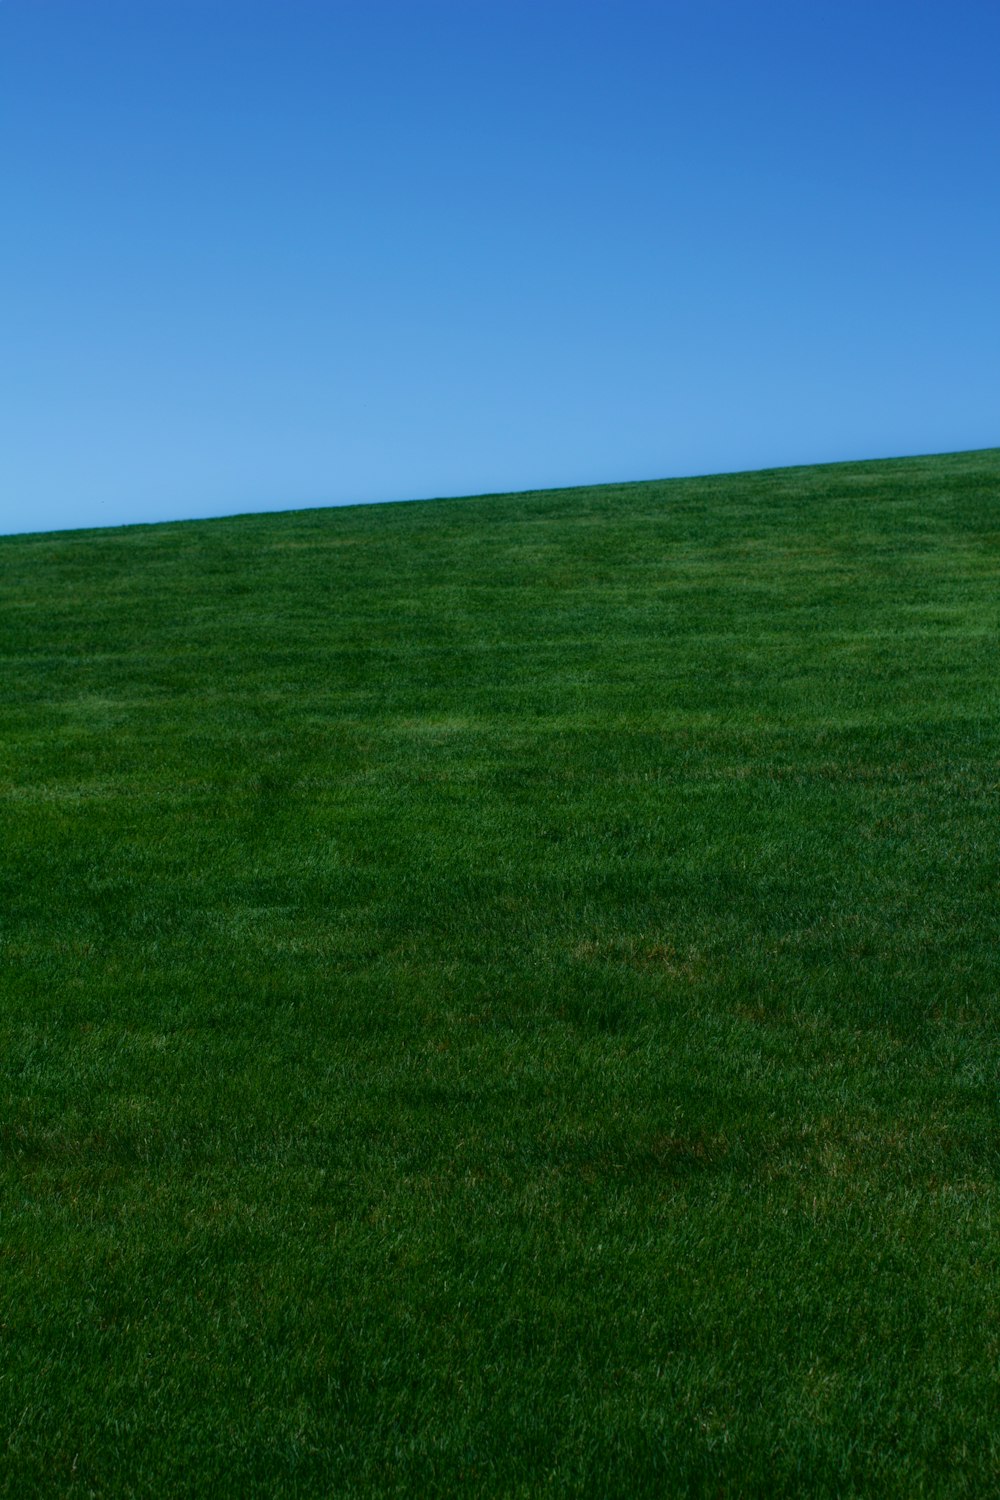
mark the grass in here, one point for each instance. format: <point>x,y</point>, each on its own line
<point>500,997</point>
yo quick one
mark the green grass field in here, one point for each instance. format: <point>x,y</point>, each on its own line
<point>500,997</point>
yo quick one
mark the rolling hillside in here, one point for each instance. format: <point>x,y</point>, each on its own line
<point>500,996</point>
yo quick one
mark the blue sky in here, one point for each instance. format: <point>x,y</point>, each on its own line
<point>262,254</point>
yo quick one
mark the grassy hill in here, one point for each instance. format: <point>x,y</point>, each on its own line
<point>500,996</point>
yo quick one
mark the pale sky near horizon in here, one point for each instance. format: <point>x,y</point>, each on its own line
<point>259,255</point>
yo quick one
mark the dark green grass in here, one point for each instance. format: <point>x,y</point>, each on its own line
<point>500,997</point>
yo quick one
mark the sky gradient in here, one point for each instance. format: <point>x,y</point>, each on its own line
<point>258,255</point>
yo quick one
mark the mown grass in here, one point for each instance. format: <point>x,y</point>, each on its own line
<point>500,997</point>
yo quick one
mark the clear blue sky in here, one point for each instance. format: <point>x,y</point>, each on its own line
<point>260,254</point>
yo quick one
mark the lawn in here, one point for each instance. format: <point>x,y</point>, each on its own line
<point>500,997</point>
